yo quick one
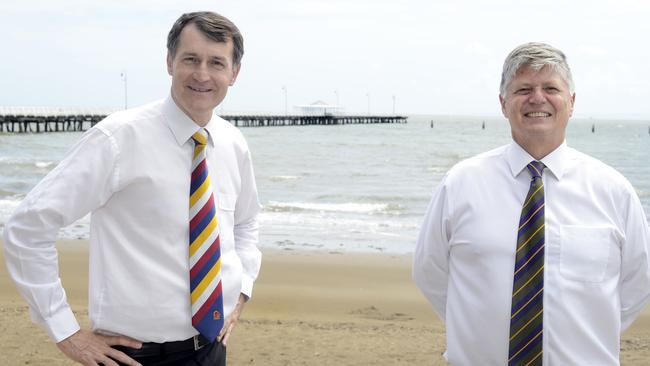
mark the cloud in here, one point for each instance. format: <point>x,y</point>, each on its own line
<point>436,56</point>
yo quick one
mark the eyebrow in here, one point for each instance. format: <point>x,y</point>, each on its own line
<point>528,85</point>
<point>220,58</point>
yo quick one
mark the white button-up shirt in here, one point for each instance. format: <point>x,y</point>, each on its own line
<point>596,274</point>
<point>132,172</point>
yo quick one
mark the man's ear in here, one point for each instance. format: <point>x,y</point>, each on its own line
<point>170,62</point>
<point>235,72</point>
<point>502,101</point>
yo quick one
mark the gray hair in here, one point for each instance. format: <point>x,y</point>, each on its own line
<point>214,26</point>
<point>535,55</point>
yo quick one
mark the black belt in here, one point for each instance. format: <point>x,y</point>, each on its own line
<point>160,349</point>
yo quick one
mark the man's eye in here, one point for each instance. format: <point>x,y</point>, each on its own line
<point>189,59</point>
<point>522,91</point>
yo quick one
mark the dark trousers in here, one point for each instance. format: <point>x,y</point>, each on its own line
<point>213,354</point>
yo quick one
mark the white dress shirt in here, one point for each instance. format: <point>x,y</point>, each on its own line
<point>132,172</point>
<point>596,274</point>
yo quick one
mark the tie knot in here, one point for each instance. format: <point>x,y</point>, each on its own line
<point>535,168</point>
<point>200,137</point>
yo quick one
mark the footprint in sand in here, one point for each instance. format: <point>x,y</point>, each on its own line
<point>371,312</point>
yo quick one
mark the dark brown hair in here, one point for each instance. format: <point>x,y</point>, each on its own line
<point>214,26</point>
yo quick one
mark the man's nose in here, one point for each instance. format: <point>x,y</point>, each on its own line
<point>537,96</point>
<point>201,73</point>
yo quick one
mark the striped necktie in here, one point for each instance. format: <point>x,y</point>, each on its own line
<point>527,312</point>
<point>205,252</point>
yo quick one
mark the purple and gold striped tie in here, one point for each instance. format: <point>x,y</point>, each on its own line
<point>205,252</point>
<point>527,312</point>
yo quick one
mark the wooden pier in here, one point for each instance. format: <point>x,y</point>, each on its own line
<point>35,124</point>
<point>44,119</point>
<point>308,120</point>
<point>35,120</point>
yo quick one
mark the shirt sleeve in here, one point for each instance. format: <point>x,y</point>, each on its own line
<point>635,266</point>
<point>431,257</point>
<point>80,183</point>
<point>246,228</point>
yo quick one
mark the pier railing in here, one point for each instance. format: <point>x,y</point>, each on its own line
<point>42,119</point>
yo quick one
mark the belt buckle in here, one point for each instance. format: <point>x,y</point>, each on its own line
<point>197,346</point>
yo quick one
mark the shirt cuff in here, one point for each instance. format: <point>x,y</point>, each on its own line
<point>247,285</point>
<point>60,325</point>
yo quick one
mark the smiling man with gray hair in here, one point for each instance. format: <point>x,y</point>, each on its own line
<point>534,253</point>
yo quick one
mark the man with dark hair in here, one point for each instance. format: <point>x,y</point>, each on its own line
<point>534,253</point>
<point>174,230</point>
<point>213,26</point>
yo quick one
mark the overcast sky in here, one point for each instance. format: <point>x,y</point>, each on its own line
<point>435,57</point>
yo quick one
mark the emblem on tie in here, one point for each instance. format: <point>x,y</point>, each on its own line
<point>205,249</point>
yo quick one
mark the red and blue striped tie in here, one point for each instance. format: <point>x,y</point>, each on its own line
<point>527,312</point>
<point>205,252</point>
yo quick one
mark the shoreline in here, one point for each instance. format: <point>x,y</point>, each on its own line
<point>308,308</point>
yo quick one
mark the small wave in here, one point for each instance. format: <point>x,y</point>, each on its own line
<point>44,164</point>
<point>348,207</point>
<point>438,169</point>
<point>24,163</point>
<point>283,178</point>
<point>306,222</point>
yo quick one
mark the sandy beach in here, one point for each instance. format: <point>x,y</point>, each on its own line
<point>308,308</point>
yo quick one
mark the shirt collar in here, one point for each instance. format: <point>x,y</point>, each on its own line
<point>555,162</point>
<point>181,125</point>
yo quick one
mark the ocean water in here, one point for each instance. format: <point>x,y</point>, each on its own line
<point>348,188</point>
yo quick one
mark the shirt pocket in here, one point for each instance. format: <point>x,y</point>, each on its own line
<point>226,216</point>
<point>584,252</point>
<point>226,201</point>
